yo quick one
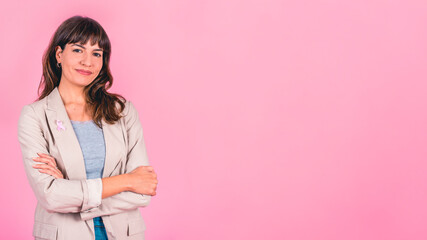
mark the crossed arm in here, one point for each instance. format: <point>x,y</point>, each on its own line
<point>72,196</point>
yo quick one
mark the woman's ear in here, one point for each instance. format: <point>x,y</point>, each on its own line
<point>58,53</point>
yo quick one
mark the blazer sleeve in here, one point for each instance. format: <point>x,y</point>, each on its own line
<point>55,195</point>
<point>137,156</point>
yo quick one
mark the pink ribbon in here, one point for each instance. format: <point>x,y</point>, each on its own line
<point>59,125</point>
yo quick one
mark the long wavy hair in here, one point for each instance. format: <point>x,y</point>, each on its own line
<point>78,29</point>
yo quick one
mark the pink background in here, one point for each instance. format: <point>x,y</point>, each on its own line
<point>264,119</point>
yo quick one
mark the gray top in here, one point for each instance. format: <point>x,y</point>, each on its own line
<point>91,139</point>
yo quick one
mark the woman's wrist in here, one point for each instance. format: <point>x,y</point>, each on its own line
<point>128,182</point>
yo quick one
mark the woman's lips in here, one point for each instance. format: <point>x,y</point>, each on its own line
<point>84,72</point>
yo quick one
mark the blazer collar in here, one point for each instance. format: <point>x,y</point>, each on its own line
<point>68,144</point>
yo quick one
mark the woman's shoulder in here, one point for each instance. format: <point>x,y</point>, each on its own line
<point>129,108</point>
<point>129,114</point>
<point>31,116</point>
<point>35,107</point>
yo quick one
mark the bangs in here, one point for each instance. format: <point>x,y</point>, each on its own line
<point>88,30</point>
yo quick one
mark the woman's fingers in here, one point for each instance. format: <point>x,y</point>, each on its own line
<point>49,162</point>
<point>40,159</point>
<point>50,172</point>
<point>45,168</point>
<point>47,159</point>
<point>49,165</point>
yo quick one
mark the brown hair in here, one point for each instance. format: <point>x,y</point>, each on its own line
<point>80,29</point>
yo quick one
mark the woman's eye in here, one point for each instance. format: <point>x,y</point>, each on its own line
<point>95,54</point>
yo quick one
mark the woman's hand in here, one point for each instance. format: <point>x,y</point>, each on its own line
<point>143,180</point>
<point>48,165</point>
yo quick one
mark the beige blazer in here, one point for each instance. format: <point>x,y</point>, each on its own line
<point>62,210</point>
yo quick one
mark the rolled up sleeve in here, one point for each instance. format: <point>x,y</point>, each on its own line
<point>95,194</point>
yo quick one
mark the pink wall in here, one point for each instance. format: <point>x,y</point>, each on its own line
<point>264,119</point>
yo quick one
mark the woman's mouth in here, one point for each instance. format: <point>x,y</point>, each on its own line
<point>84,72</point>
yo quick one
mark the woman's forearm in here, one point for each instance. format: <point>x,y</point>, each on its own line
<point>115,184</point>
<point>142,180</point>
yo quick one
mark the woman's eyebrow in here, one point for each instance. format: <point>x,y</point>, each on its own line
<point>98,49</point>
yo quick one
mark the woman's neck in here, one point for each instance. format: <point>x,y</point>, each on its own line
<point>71,94</point>
<point>74,102</point>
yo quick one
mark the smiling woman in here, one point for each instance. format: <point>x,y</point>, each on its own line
<point>80,51</point>
<point>83,148</point>
<point>82,59</point>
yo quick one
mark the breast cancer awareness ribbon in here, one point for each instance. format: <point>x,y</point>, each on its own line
<point>59,125</point>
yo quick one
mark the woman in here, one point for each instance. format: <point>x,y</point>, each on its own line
<point>83,147</point>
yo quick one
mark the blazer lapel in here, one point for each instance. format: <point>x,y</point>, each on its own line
<point>65,137</point>
<point>113,147</point>
<point>68,144</point>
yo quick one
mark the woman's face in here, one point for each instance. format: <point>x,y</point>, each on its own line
<point>80,64</point>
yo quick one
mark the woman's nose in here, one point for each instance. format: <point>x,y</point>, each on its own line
<point>86,60</point>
